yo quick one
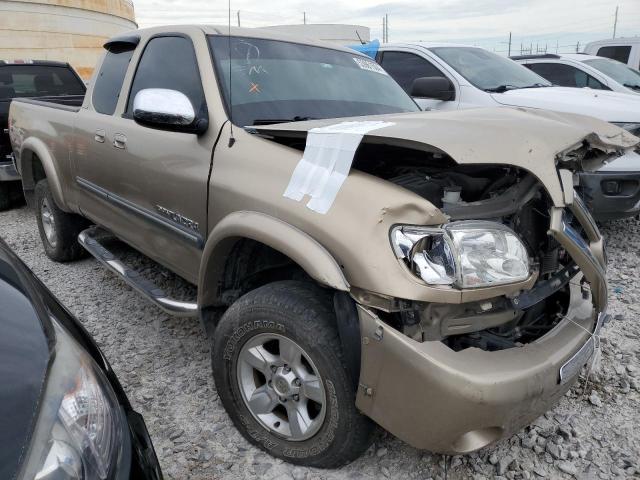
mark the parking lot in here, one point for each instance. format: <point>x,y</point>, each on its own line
<point>163,363</point>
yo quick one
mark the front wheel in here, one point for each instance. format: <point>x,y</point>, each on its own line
<point>280,373</point>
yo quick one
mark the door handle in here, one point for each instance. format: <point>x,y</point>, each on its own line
<point>119,141</point>
<point>100,136</point>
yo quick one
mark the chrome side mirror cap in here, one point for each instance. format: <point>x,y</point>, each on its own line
<point>166,110</point>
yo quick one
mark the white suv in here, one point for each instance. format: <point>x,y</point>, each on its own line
<point>580,70</point>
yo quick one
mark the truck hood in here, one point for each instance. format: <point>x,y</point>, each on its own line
<point>535,140</point>
<point>605,105</point>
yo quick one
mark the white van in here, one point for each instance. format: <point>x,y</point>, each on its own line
<point>625,50</point>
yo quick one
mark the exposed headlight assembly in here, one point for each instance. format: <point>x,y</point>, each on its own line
<point>467,254</point>
<point>79,429</point>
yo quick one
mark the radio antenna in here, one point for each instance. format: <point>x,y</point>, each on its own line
<point>232,139</point>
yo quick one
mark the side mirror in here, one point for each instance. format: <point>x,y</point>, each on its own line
<point>439,88</point>
<point>166,110</point>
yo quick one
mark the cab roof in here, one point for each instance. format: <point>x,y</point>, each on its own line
<point>134,36</point>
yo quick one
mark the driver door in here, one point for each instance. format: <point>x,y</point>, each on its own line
<point>155,181</point>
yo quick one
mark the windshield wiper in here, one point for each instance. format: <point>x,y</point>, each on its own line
<point>501,88</point>
<point>630,85</point>
<point>270,121</point>
<point>537,85</point>
<point>507,87</point>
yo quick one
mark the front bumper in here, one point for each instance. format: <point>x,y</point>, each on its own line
<point>611,195</point>
<point>456,402</point>
<point>435,398</point>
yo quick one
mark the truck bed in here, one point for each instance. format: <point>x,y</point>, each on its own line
<point>66,102</point>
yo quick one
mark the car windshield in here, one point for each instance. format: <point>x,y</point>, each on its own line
<point>275,81</point>
<point>627,76</point>
<point>489,71</point>
<point>38,81</point>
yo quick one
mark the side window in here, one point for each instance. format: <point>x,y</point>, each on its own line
<point>406,67</point>
<point>169,62</point>
<point>108,84</point>
<point>620,53</point>
<point>565,75</point>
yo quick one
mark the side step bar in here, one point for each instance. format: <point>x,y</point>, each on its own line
<point>90,240</point>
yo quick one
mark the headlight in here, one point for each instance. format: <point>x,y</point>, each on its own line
<point>630,127</point>
<point>78,432</point>
<point>467,254</point>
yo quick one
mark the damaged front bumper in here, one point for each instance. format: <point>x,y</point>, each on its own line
<point>447,401</point>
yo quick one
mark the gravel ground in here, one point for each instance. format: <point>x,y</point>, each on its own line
<point>163,364</point>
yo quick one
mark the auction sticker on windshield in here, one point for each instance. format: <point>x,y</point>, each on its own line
<point>370,65</point>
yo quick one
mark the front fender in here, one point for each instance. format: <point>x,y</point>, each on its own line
<point>32,150</point>
<point>316,261</point>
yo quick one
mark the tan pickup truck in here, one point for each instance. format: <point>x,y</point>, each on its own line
<point>356,259</point>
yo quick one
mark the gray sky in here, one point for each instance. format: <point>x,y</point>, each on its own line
<point>483,22</point>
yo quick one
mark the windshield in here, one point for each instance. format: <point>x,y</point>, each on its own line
<point>618,71</point>
<point>275,81</point>
<point>489,71</point>
<point>38,81</point>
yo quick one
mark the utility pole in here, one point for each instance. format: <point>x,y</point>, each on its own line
<point>509,44</point>
<point>386,16</point>
<point>578,47</point>
<point>304,17</point>
<point>615,22</point>
<point>557,46</point>
<point>384,30</point>
<point>238,17</point>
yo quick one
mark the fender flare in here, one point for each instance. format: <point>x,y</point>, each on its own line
<point>34,146</point>
<point>287,239</point>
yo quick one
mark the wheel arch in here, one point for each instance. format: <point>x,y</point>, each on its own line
<point>35,164</point>
<point>282,237</point>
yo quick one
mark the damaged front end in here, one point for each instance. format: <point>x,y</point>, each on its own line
<point>489,311</point>
<point>460,375</point>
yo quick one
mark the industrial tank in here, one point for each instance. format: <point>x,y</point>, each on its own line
<point>66,30</point>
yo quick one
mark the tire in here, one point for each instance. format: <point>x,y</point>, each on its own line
<point>275,320</point>
<point>59,230</point>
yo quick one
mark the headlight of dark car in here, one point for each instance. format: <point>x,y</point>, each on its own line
<point>79,428</point>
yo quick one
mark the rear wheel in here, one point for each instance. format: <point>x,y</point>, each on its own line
<point>280,373</point>
<point>59,230</point>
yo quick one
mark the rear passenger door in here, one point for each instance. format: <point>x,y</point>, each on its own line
<point>405,67</point>
<point>566,75</point>
<point>156,180</point>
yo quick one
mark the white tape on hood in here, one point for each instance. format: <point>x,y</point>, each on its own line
<point>326,162</point>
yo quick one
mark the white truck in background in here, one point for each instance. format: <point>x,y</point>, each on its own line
<point>624,49</point>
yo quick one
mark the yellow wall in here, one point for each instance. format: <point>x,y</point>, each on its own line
<point>66,30</point>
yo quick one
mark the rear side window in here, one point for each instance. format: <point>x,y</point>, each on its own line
<point>620,53</point>
<point>169,62</point>
<point>406,67</point>
<point>38,81</point>
<point>106,91</point>
<point>566,75</point>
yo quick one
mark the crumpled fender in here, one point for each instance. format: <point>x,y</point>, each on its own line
<point>287,239</point>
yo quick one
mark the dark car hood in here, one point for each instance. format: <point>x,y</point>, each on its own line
<point>24,359</point>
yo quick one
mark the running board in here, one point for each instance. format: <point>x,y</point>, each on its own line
<point>90,240</point>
